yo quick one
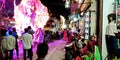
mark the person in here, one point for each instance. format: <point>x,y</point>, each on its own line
<point>39,35</point>
<point>8,29</point>
<point>78,57</point>
<point>30,30</point>
<point>59,33</point>
<point>42,51</point>
<point>27,44</point>
<point>91,44</point>
<point>110,35</point>
<point>14,33</point>
<point>10,45</point>
<point>65,34</point>
<point>81,41</point>
<point>3,44</point>
<point>70,37</point>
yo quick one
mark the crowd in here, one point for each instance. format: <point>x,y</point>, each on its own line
<point>9,42</point>
<point>76,48</point>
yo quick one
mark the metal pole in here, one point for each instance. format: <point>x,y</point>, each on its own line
<point>116,10</point>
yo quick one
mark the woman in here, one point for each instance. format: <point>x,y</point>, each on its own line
<point>65,34</point>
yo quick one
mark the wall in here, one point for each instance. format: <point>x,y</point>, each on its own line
<point>93,17</point>
<point>107,9</point>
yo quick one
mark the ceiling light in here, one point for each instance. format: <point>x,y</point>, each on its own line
<point>80,1</point>
<point>67,3</point>
<point>75,19</point>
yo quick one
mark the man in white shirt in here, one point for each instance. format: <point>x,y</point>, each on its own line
<point>111,40</point>
<point>3,45</point>
<point>27,44</point>
<point>10,43</point>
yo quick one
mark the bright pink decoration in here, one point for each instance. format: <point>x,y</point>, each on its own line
<point>31,12</point>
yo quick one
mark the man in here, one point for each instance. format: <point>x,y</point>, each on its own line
<point>10,44</point>
<point>111,40</point>
<point>14,33</point>
<point>27,44</point>
<point>30,31</point>
<point>59,33</point>
<point>3,44</point>
<point>42,50</point>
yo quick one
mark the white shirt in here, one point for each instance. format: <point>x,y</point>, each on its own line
<point>3,43</point>
<point>3,46</point>
<point>10,42</point>
<point>27,40</point>
<point>111,29</point>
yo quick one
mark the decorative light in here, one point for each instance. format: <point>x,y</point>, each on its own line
<point>75,19</point>
<point>81,23</point>
<point>30,13</point>
<point>64,26</point>
<point>63,21</point>
<point>76,0</point>
<point>80,1</point>
<point>67,3</point>
<point>82,13</point>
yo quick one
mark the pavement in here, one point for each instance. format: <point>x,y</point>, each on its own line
<point>56,51</point>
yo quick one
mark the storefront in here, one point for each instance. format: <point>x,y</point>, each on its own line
<point>110,7</point>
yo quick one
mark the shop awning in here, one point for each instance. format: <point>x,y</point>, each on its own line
<point>85,5</point>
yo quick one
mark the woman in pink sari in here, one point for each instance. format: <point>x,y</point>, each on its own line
<point>65,34</point>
